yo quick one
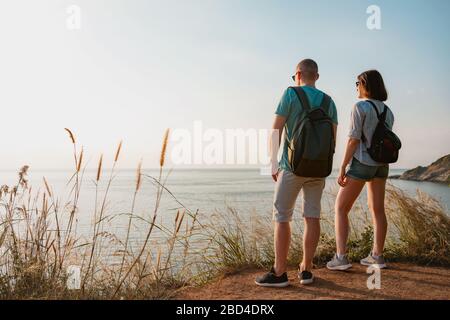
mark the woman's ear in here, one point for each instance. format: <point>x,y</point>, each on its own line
<point>363,92</point>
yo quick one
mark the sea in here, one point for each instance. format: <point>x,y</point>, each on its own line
<point>207,191</point>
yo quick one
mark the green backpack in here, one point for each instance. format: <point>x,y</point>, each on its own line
<point>311,148</point>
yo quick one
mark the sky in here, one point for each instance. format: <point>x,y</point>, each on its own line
<point>137,67</point>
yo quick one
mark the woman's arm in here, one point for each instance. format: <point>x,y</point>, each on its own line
<point>356,127</point>
<point>352,144</point>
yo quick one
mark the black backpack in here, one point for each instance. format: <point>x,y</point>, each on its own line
<point>311,148</point>
<point>385,143</point>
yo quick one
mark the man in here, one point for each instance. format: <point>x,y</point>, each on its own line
<point>289,185</point>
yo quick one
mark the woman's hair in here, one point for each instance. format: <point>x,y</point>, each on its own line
<point>373,85</point>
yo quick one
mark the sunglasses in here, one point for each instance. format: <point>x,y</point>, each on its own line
<point>293,77</point>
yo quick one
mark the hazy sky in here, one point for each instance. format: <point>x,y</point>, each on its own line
<point>137,67</point>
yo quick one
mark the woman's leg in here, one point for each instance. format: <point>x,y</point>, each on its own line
<point>375,199</point>
<point>344,202</point>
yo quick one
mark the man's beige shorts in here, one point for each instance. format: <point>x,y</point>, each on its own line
<point>288,187</point>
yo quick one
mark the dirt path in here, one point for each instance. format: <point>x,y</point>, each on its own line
<point>400,281</point>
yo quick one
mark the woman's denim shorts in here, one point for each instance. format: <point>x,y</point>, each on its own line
<point>360,171</point>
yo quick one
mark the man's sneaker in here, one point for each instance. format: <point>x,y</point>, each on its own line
<point>374,261</point>
<point>306,277</point>
<point>270,279</point>
<point>339,264</point>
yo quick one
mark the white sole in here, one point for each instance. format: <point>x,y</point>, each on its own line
<point>376,265</point>
<point>273,285</point>
<point>340,268</point>
<point>308,281</point>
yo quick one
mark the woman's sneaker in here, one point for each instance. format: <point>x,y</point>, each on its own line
<point>306,277</point>
<point>270,279</point>
<point>374,261</point>
<point>339,264</point>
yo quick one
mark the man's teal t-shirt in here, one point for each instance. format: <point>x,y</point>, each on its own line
<point>291,108</point>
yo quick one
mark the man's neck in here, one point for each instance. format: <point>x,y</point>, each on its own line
<point>309,84</point>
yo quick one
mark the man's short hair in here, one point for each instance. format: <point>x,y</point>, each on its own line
<point>308,68</point>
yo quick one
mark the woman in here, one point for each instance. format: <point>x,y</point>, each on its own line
<point>363,169</point>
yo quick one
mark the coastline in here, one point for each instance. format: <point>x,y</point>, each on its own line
<point>438,172</point>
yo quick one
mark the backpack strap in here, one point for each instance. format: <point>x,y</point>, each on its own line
<point>384,114</point>
<point>302,97</point>
<point>325,105</point>
<point>381,117</point>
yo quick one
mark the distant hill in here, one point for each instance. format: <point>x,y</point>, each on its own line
<point>438,171</point>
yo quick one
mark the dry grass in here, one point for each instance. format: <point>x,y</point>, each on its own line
<point>423,229</point>
<point>39,239</point>
<point>419,233</point>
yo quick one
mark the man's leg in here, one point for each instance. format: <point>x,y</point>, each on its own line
<point>312,196</point>
<point>311,237</point>
<point>286,192</point>
<point>282,239</point>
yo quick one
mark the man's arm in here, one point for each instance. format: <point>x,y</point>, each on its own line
<point>275,141</point>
